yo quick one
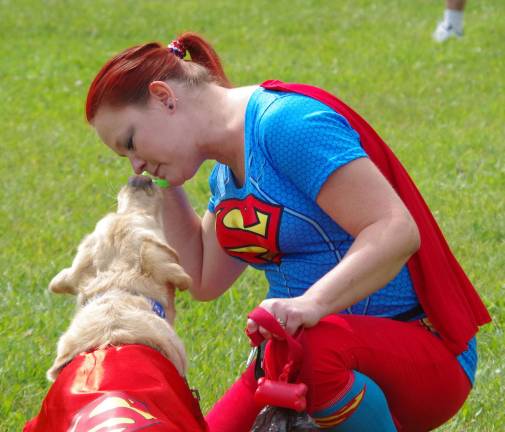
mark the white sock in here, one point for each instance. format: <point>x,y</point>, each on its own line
<point>454,19</point>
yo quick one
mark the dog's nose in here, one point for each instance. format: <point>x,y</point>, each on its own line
<point>140,181</point>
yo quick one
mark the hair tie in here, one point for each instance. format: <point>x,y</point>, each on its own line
<point>177,48</point>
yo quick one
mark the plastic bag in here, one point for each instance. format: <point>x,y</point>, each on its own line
<point>275,419</point>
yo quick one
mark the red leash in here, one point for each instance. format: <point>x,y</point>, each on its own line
<point>272,390</point>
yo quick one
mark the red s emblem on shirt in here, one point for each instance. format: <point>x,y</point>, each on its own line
<point>249,229</point>
<point>114,411</point>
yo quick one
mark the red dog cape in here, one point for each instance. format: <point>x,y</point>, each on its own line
<point>127,388</point>
<point>445,292</point>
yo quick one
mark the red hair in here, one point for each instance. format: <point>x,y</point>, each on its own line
<point>125,78</point>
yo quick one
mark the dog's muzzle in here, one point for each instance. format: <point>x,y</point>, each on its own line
<point>140,181</point>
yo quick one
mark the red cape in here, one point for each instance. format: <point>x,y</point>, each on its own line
<point>126,388</point>
<point>445,292</point>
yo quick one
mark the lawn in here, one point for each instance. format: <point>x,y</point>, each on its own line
<point>440,107</point>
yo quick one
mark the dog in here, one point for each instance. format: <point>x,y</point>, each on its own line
<point>120,365</point>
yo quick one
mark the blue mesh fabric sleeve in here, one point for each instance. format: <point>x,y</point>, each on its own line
<point>306,141</point>
<point>212,186</point>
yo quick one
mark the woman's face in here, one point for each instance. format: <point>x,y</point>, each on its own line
<point>155,138</point>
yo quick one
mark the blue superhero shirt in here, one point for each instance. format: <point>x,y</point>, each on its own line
<point>293,143</point>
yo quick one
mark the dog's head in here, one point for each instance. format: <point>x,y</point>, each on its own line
<point>127,250</point>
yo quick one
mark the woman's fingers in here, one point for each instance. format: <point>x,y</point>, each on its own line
<point>286,312</point>
<point>292,325</point>
<point>265,333</point>
<point>290,313</point>
<point>251,326</point>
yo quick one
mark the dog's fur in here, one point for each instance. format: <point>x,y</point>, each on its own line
<point>120,266</point>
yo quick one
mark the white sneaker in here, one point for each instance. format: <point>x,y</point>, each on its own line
<point>445,31</point>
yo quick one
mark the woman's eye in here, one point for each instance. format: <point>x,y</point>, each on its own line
<point>129,144</point>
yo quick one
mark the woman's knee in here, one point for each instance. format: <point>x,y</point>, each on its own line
<point>331,344</point>
<point>329,358</point>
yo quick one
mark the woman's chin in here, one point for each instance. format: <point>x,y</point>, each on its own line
<point>176,181</point>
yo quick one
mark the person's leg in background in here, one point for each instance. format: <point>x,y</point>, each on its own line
<point>452,24</point>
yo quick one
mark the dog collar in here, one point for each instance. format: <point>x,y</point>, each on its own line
<point>157,308</point>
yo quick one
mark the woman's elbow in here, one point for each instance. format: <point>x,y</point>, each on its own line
<point>202,296</point>
<point>205,294</point>
<point>413,237</point>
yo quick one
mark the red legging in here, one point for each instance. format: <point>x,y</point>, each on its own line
<point>422,380</point>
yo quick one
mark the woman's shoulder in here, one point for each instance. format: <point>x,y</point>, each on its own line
<point>282,98</point>
<point>279,104</point>
<point>280,108</point>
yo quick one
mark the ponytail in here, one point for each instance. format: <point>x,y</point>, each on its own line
<point>125,78</point>
<point>202,53</point>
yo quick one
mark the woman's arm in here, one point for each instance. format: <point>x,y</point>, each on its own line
<point>363,203</point>
<point>194,239</point>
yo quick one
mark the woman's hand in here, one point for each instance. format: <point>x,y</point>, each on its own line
<point>291,313</point>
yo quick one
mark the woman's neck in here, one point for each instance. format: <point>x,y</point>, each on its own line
<point>222,133</point>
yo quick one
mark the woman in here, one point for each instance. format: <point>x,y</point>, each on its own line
<point>304,190</point>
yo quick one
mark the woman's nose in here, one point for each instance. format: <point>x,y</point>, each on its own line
<point>137,164</point>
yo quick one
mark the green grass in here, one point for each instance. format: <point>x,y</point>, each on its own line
<point>440,107</point>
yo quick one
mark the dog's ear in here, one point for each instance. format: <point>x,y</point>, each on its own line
<point>69,279</point>
<point>62,283</point>
<point>160,261</point>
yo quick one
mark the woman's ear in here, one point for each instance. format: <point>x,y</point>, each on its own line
<point>162,92</point>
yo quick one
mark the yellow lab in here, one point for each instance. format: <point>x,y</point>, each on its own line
<point>120,363</point>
